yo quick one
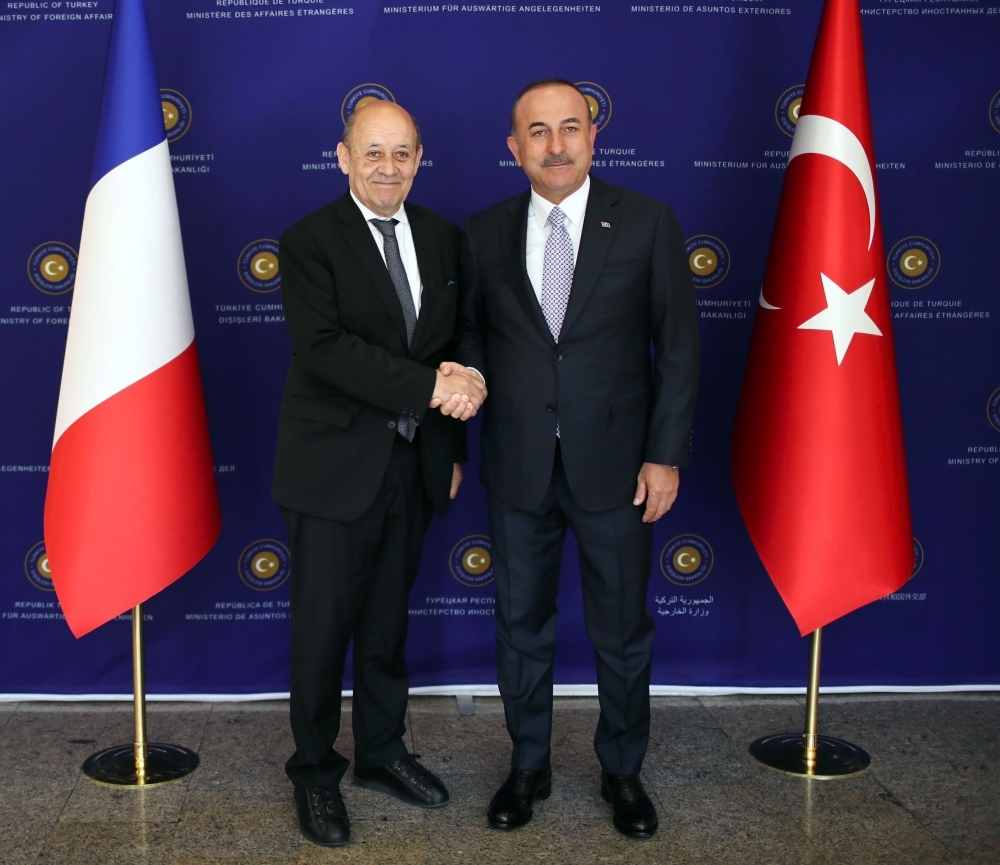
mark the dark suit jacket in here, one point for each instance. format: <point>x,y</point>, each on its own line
<point>617,407</point>
<point>351,374</point>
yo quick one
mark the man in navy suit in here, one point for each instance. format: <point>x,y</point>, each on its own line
<point>563,290</point>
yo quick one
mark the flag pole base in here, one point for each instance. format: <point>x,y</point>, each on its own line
<point>117,766</point>
<point>832,758</point>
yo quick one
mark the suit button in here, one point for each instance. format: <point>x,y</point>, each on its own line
<point>550,407</point>
<point>558,357</point>
<point>392,424</point>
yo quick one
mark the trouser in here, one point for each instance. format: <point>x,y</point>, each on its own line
<point>615,557</point>
<point>353,579</point>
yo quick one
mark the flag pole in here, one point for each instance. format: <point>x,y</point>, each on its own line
<point>810,755</point>
<point>140,764</point>
<point>139,695</point>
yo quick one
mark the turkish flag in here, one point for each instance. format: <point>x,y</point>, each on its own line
<point>817,449</point>
<point>131,502</point>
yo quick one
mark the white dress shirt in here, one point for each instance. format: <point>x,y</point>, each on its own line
<point>404,237</point>
<point>539,229</point>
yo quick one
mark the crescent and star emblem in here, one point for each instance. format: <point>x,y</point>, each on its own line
<point>48,268</point>
<point>474,560</point>
<point>685,560</point>
<point>845,314</point>
<point>262,266</point>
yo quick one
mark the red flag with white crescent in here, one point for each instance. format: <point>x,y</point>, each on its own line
<point>817,449</point>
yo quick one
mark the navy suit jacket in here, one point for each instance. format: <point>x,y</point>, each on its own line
<point>618,405</point>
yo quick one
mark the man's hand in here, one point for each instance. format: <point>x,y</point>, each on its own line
<point>456,480</point>
<point>450,366</point>
<point>657,487</point>
<point>458,391</point>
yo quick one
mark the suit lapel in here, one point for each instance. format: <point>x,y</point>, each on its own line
<point>430,277</point>
<point>359,237</point>
<point>513,243</point>
<point>595,244</point>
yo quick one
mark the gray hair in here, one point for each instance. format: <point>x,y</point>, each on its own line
<point>352,121</point>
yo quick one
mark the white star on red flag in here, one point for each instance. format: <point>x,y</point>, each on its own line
<point>844,315</point>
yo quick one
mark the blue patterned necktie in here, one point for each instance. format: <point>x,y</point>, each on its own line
<point>406,426</point>
<point>557,276</point>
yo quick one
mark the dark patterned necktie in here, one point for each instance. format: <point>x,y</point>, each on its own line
<point>406,426</point>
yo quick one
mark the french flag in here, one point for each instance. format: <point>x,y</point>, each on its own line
<point>131,503</point>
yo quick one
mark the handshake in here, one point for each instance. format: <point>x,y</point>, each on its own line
<point>458,391</point>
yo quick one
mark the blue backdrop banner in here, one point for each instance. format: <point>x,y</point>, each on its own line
<point>696,106</point>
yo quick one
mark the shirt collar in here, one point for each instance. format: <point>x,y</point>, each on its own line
<point>574,206</point>
<point>399,215</point>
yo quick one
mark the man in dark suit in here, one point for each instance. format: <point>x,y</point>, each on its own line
<point>369,289</point>
<point>563,289</point>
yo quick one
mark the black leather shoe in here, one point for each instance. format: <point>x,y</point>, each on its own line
<point>322,815</point>
<point>634,813</point>
<point>511,806</point>
<point>407,780</point>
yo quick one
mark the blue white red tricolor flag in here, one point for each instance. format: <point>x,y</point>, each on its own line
<point>131,503</point>
<point>817,451</point>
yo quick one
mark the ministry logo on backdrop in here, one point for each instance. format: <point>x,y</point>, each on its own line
<point>258,266</point>
<point>52,267</point>
<point>471,563</point>
<point>993,409</point>
<point>995,111</point>
<point>36,568</point>
<point>176,114</point>
<point>362,95</point>
<point>913,262</point>
<point>918,558</point>
<point>786,109</point>
<point>598,101</point>
<point>265,565</point>
<point>687,560</point>
<point>708,259</point>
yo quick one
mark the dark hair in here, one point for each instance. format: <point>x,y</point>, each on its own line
<point>535,85</point>
<point>351,123</point>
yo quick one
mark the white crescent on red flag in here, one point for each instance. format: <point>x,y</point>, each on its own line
<point>131,502</point>
<point>817,449</point>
